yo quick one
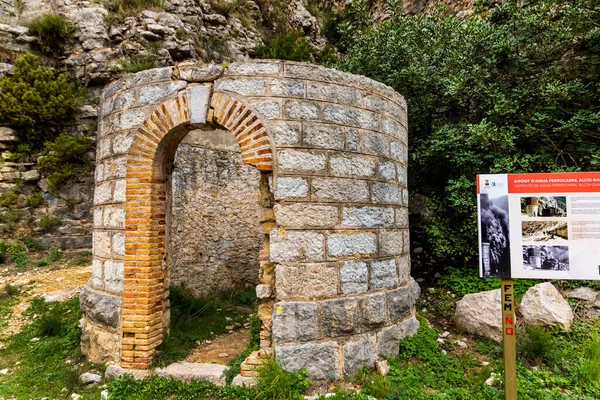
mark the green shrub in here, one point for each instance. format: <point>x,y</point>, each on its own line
<point>537,345</point>
<point>42,262</point>
<point>511,89</point>
<point>55,253</point>
<point>274,16</point>
<point>9,291</point>
<point>135,63</point>
<point>34,244</point>
<point>9,198</point>
<point>50,324</point>
<point>36,99</point>
<point>225,7</point>
<point>34,200</point>
<point>48,222</point>
<point>53,32</point>
<point>65,159</point>
<point>291,46</point>
<point>276,383</point>
<point>123,8</point>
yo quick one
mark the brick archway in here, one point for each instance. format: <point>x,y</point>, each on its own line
<point>146,218</point>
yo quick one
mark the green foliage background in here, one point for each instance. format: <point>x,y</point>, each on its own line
<point>506,90</point>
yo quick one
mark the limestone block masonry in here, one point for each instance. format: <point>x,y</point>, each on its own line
<point>334,267</point>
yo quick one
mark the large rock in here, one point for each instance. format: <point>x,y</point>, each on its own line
<point>584,294</point>
<point>187,372</point>
<point>102,307</point>
<point>544,305</point>
<point>480,314</point>
<point>99,345</point>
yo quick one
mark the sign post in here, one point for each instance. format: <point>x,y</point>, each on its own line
<point>509,341</point>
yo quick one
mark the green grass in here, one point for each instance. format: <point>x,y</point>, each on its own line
<point>9,296</point>
<point>49,367</point>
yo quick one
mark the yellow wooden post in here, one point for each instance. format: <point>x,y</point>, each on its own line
<point>509,341</point>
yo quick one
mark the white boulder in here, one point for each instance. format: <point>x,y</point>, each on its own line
<point>480,314</point>
<point>544,305</point>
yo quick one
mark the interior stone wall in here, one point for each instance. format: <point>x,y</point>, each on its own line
<point>215,226</point>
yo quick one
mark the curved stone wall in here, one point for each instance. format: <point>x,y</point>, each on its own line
<point>334,265</point>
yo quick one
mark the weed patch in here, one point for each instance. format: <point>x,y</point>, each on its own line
<point>53,32</point>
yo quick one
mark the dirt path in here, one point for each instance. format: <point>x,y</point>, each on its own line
<point>231,344</point>
<point>38,282</point>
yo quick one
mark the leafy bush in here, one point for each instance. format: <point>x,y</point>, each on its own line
<point>65,159</point>
<point>34,200</point>
<point>36,100</point>
<point>124,8</point>
<point>537,345</point>
<point>291,46</point>
<point>49,222</point>
<point>276,383</point>
<point>53,32</point>
<point>511,89</point>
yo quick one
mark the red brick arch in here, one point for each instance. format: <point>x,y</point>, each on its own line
<point>146,200</point>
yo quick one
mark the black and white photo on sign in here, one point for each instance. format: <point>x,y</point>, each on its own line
<point>544,206</point>
<point>495,238</point>
<point>545,232</point>
<point>549,258</point>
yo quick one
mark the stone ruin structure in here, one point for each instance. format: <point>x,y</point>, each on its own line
<point>330,153</point>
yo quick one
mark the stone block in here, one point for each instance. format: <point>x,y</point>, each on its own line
<point>319,359</point>
<point>386,193</point>
<point>114,217</point>
<point>287,134</point>
<point>406,242</point>
<point>153,93</point>
<point>391,127</point>
<point>119,193</point>
<point>198,98</point>
<point>287,87</point>
<point>113,276</point>
<point>351,165</point>
<point>194,71</point>
<point>122,142</point>
<point>303,215</point>
<point>352,140</point>
<point>384,274</point>
<point>317,73</point>
<point>339,189</point>
<point>100,307</point>
<point>243,86</point>
<point>115,167</point>
<point>374,309</point>
<point>297,246</point>
<point>291,187</point>
<point>340,317</point>
<point>388,341</point>
<point>402,175</point>
<point>118,244</point>
<point>354,276</point>
<point>359,353</point>
<point>401,301</point>
<point>99,345</point>
<point>103,148</point>
<point>398,151</point>
<point>300,110</point>
<point>254,68</point>
<point>369,217</point>
<point>264,291</point>
<point>102,243</point>
<point>323,136</point>
<point>306,280</point>
<point>376,103</point>
<point>387,170</point>
<point>295,322</point>
<point>133,118</point>
<point>97,272</point>
<point>299,160</point>
<point>409,327</point>
<point>402,217</point>
<point>334,93</point>
<point>269,109</point>
<point>149,76</point>
<point>97,217</point>
<point>351,244</point>
<point>350,116</point>
<point>403,268</point>
<point>375,143</point>
<point>188,372</point>
<point>391,243</point>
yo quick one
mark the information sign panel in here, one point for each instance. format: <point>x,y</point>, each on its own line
<point>542,225</point>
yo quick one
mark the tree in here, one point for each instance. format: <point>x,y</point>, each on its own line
<point>514,88</point>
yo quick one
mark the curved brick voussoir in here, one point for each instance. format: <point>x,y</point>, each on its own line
<point>335,285</point>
